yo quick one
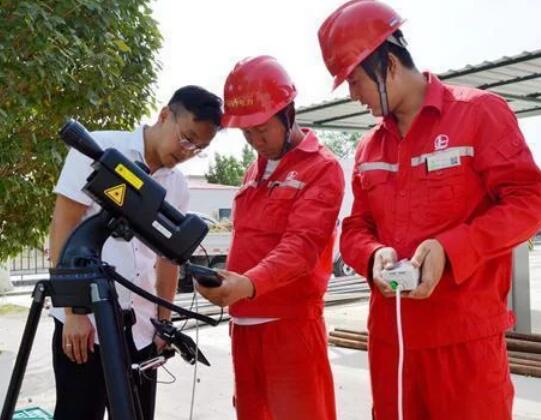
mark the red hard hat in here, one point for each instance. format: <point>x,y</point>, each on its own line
<point>256,89</point>
<point>354,31</point>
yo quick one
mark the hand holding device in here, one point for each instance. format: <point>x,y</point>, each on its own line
<point>403,275</point>
<point>206,277</point>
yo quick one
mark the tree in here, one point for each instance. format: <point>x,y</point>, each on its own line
<point>248,156</point>
<point>93,60</point>
<point>341,143</point>
<point>228,170</point>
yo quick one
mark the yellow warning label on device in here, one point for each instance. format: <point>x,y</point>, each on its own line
<point>117,194</point>
<point>129,176</point>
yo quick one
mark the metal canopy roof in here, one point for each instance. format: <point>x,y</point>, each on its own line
<point>517,79</point>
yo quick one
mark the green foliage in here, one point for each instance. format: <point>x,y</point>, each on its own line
<point>11,309</point>
<point>94,60</point>
<point>341,143</point>
<point>248,156</point>
<point>227,170</point>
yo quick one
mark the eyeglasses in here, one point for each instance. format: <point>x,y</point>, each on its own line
<point>188,145</point>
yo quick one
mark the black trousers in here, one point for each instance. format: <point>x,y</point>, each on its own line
<point>80,389</point>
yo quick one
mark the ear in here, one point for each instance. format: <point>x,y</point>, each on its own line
<point>164,114</point>
<point>393,66</point>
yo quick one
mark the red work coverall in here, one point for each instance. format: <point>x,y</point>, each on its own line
<point>283,234</point>
<point>481,198</point>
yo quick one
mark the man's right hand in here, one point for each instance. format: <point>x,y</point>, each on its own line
<point>384,258</point>
<point>78,337</point>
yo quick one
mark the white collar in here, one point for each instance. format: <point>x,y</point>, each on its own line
<point>138,146</point>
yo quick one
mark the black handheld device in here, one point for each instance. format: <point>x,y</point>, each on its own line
<point>125,190</point>
<point>181,343</point>
<point>205,276</point>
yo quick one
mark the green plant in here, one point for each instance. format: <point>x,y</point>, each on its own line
<point>228,170</point>
<point>88,59</point>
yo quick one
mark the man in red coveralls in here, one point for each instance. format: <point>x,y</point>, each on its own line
<point>281,256</point>
<point>446,180</point>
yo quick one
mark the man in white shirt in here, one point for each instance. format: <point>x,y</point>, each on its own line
<point>184,127</point>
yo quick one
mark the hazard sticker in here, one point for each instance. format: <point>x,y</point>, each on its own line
<point>116,194</point>
<point>129,176</point>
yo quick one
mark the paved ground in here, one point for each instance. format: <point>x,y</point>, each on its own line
<point>214,385</point>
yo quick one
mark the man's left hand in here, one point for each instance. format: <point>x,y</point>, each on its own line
<point>429,257</point>
<point>234,288</point>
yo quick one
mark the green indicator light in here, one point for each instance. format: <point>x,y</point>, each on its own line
<point>394,285</point>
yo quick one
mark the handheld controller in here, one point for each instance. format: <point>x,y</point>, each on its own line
<point>403,275</point>
<point>181,343</point>
<point>205,276</point>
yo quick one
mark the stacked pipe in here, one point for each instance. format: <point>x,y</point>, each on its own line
<point>524,350</point>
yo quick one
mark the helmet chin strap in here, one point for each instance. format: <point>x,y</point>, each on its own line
<point>382,90</point>
<point>287,145</point>
<point>376,67</point>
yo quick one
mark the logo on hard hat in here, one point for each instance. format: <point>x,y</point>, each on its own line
<point>394,21</point>
<point>441,142</point>
<point>240,102</point>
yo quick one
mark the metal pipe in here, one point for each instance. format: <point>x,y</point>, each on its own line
<point>350,344</point>
<point>526,370</point>
<point>523,346</point>
<point>525,362</point>
<point>525,356</point>
<point>521,336</point>
<point>349,336</point>
<point>363,333</point>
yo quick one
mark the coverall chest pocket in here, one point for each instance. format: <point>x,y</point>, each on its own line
<point>376,186</point>
<point>440,196</point>
<point>242,214</point>
<point>277,208</point>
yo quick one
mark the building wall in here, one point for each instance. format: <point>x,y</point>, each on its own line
<point>347,167</point>
<point>209,201</point>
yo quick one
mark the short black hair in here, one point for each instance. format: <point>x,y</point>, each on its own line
<point>204,105</point>
<point>400,52</point>
<point>377,61</point>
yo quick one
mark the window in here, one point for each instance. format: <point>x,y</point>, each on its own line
<point>224,214</point>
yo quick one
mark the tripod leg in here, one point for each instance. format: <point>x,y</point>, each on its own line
<point>40,291</point>
<point>113,355</point>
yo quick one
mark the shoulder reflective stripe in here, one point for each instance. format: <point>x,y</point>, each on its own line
<point>293,183</point>
<point>460,151</point>
<point>378,166</point>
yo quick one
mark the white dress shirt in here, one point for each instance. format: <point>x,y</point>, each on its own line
<point>132,260</point>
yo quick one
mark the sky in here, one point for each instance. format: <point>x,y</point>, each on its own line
<point>203,39</point>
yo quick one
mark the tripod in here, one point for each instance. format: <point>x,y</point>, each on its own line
<point>81,281</point>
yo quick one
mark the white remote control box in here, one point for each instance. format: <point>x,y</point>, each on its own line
<point>403,275</point>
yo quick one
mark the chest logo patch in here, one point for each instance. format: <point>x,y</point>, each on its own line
<point>441,142</point>
<point>291,175</point>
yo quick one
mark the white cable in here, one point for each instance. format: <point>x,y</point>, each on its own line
<point>196,356</point>
<point>400,355</point>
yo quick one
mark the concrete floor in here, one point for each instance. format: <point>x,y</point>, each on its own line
<point>214,384</point>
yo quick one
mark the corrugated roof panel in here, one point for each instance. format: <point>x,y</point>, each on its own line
<point>517,78</point>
